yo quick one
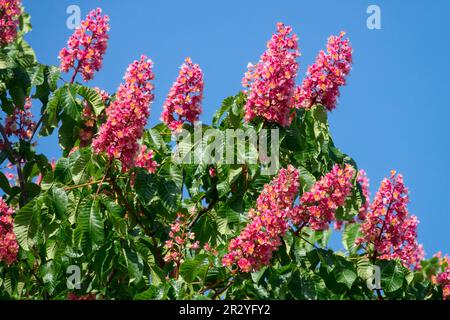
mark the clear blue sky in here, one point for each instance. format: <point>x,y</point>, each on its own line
<point>393,114</point>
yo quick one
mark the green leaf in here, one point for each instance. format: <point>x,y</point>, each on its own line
<point>51,116</point>
<point>169,194</point>
<point>67,134</point>
<point>18,95</point>
<point>307,179</point>
<point>4,183</point>
<point>346,276</point>
<point>134,263</point>
<point>364,268</point>
<point>115,214</point>
<point>349,236</point>
<point>301,287</point>
<point>392,276</point>
<point>93,98</point>
<point>146,185</point>
<point>69,101</point>
<point>26,224</point>
<point>53,75</point>
<point>90,228</point>
<point>36,74</point>
<point>192,267</point>
<point>62,171</point>
<point>225,107</point>
<point>60,201</point>
<point>80,166</point>
<point>152,293</point>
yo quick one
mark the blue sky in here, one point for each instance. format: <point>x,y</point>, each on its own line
<point>392,114</point>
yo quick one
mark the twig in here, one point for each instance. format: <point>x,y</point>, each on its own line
<point>201,213</point>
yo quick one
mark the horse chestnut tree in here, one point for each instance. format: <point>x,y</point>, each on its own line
<point>133,222</point>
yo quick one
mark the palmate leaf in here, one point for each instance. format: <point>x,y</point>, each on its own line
<point>89,232</point>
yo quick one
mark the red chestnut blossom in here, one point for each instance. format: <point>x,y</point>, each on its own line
<point>363,180</point>
<point>20,124</point>
<point>388,226</point>
<point>10,11</point>
<point>318,206</point>
<point>184,100</point>
<point>180,238</point>
<point>442,276</point>
<point>326,75</point>
<point>127,115</point>
<point>145,159</point>
<point>86,46</point>
<point>8,243</point>
<point>254,247</point>
<point>271,82</point>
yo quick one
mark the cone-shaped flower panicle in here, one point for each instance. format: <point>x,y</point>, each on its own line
<point>326,75</point>
<point>254,247</point>
<point>442,275</point>
<point>127,115</point>
<point>8,243</point>
<point>185,97</point>
<point>10,11</point>
<point>87,45</point>
<point>20,123</point>
<point>180,239</point>
<point>389,228</point>
<point>271,82</point>
<point>318,206</point>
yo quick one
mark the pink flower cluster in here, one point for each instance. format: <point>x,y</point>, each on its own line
<point>389,227</point>
<point>20,124</point>
<point>442,276</point>
<point>127,115</point>
<point>363,180</point>
<point>271,82</point>
<point>318,206</point>
<point>86,46</point>
<point>254,247</point>
<point>10,11</point>
<point>185,97</point>
<point>180,238</point>
<point>8,243</point>
<point>145,160</point>
<point>326,75</point>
